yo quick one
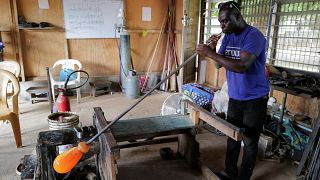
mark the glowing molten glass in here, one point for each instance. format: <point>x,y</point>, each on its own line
<point>67,160</point>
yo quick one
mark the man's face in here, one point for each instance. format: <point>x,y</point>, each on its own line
<point>228,21</point>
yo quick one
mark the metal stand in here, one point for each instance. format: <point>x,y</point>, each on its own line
<point>283,109</point>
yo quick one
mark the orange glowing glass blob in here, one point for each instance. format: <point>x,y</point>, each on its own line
<point>67,160</point>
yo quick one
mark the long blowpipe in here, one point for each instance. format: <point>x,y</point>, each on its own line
<point>64,162</point>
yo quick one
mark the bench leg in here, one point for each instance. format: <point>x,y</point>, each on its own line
<point>31,97</point>
<point>93,91</point>
<point>78,95</point>
<point>188,148</point>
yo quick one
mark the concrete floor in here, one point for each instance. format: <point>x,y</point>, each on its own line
<point>135,163</point>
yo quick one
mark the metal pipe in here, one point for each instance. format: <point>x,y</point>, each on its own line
<point>125,61</point>
<point>282,114</point>
<point>147,94</point>
<point>272,3</point>
<point>142,98</point>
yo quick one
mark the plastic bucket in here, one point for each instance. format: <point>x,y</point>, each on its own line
<point>63,120</point>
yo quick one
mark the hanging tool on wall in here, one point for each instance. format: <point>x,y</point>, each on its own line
<point>156,49</point>
<point>170,59</point>
<point>64,162</point>
<point>62,103</point>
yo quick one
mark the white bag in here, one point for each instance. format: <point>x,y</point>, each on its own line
<point>221,99</point>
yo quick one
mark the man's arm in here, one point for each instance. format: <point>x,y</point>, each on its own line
<point>239,66</point>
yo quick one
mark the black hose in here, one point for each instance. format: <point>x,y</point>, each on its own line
<point>67,80</point>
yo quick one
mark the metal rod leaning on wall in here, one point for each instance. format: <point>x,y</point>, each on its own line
<point>51,96</point>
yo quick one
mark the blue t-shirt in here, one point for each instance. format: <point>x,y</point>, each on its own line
<point>253,82</point>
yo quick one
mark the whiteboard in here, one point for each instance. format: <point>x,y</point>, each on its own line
<point>91,18</point>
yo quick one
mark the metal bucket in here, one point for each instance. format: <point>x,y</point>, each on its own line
<point>63,120</point>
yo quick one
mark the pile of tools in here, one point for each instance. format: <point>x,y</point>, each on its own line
<point>170,62</point>
<point>170,59</point>
<point>297,81</point>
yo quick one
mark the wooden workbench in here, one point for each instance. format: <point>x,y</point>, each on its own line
<point>155,130</point>
<point>143,131</point>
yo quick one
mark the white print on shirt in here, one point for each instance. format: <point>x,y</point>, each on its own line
<point>232,52</point>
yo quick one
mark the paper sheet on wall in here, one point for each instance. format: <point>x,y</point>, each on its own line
<point>146,13</point>
<point>91,18</point>
<point>43,4</point>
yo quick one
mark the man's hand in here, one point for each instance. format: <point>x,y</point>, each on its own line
<point>213,40</point>
<point>205,50</point>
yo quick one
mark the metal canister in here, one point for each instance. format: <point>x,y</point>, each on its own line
<point>132,85</point>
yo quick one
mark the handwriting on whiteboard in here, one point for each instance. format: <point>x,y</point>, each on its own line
<point>90,18</point>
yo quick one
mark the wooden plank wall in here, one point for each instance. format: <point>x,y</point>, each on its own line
<point>5,15</point>
<point>5,29</point>
<point>299,105</point>
<point>30,11</point>
<point>41,48</point>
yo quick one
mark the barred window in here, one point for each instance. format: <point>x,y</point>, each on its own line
<point>256,13</point>
<point>296,38</point>
<point>292,29</point>
<point>211,23</point>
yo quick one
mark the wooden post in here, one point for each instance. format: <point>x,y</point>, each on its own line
<point>183,107</point>
<point>195,116</point>
<point>109,152</point>
<point>188,148</point>
<point>17,37</point>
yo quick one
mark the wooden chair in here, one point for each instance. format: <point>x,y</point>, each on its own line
<point>5,112</point>
<point>11,66</point>
<point>65,64</point>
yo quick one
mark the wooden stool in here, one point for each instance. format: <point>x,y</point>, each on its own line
<point>38,94</point>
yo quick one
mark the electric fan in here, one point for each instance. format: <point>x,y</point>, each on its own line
<point>172,105</point>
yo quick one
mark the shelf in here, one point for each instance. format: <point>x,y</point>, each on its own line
<point>293,92</point>
<point>155,31</point>
<point>42,29</point>
<point>290,91</point>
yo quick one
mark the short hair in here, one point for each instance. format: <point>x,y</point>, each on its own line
<point>229,5</point>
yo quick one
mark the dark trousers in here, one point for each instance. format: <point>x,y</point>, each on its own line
<point>249,115</point>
